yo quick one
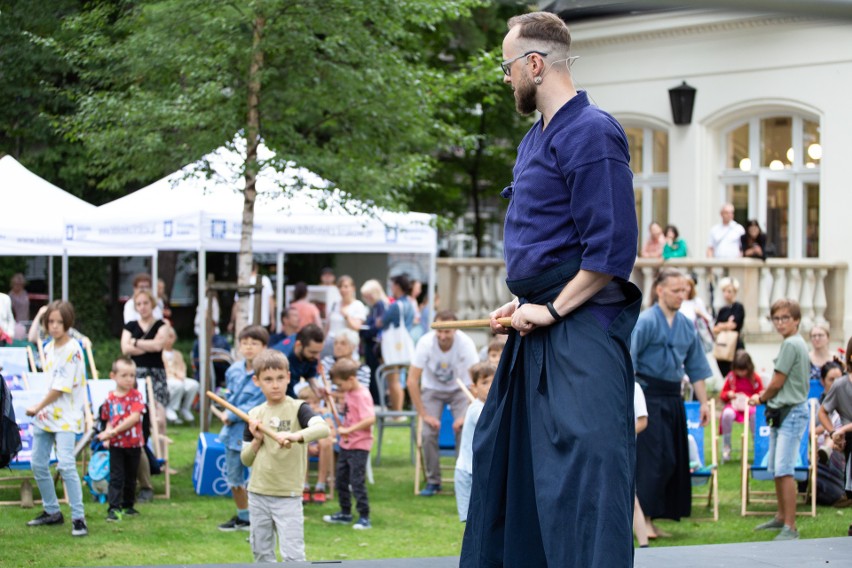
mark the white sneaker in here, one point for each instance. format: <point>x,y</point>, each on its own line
<point>726,455</point>
<point>187,415</point>
<point>172,417</point>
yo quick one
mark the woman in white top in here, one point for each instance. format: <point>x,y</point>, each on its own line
<point>693,306</point>
<point>348,313</point>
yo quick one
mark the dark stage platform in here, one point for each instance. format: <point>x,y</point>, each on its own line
<point>823,552</point>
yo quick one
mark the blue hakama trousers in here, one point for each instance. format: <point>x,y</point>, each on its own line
<point>554,448</point>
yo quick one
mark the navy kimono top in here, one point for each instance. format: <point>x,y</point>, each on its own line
<point>667,353</point>
<point>572,196</point>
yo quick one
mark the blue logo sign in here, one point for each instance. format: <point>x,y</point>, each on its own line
<point>69,232</point>
<point>168,228</point>
<point>391,234</point>
<point>218,228</point>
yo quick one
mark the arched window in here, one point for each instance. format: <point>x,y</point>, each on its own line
<point>771,173</point>
<point>649,160</point>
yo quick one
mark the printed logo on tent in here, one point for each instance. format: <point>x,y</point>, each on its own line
<point>168,228</point>
<point>391,234</point>
<point>69,232</point>
<point>218,228</point>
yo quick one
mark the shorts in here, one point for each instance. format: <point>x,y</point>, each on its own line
<point>784,442</point>
<point>236,471</point>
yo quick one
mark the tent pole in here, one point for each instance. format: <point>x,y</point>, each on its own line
<point>50,278</point>
<point>279,290</point>
<point>65,274</point>
<point>204,305</point>
<point>155,273</point>
<point>433,274</point>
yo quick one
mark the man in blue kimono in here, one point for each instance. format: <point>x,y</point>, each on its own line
<point>665,346</point>
<point>554,448</point>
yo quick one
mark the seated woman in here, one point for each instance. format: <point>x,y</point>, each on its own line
<point>675,246</point>
<point>731,317</point>
<point>182,389</point>
<point>753,242</point>
<point>740,384</point>
<point>654,242</point>
<point>345,347</point>
<point>819,353</point>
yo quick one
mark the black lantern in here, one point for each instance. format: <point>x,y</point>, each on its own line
<point>682,98</point>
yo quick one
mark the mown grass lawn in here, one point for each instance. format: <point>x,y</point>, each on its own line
<point>183,530</point>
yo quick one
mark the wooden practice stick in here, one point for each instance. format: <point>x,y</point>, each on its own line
<point>92,361</point>
<point>244,416</point>
<point>465,324</point>
<point>465,390</point>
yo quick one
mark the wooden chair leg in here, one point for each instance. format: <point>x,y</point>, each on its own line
<point>27,494</point>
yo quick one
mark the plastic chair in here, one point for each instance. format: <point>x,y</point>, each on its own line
<point>708,473</point>
<point>386,418</point>
<point>22,478</point>
<point>805,467</point>
<point>16,360</point>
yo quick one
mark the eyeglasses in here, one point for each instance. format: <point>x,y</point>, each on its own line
<point>506,66</point>
<point>818,336</point>
<point>781,319</point>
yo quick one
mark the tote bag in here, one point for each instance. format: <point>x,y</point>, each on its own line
<point>397,345</point>
<point>726,345</point>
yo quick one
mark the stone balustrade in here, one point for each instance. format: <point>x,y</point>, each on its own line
<point>473,287</point>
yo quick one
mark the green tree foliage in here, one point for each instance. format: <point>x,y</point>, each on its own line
<point>345,91</point>
<point>473,169</point>
<point>338,87</point>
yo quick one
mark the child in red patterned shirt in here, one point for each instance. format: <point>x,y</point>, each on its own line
<point>740,384</point>
<point>123,437</point>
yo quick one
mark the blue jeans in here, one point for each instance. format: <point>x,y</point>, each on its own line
<point>67,466</point>
<point>784,442</point>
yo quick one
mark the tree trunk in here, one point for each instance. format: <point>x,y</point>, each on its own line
<point>244,260</point>
<point>474,186</point>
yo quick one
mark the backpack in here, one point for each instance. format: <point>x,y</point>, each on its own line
<point>97,476</point>
<point>10,434</point>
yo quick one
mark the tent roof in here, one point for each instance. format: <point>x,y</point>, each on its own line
<point>195,209</point>
<point>34,210</point>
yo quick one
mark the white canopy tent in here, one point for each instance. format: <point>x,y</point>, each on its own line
<point>34,211</point>
<point>201,210</point>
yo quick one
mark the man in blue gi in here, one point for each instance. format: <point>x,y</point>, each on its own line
<point>665,346</point>
<point>554,449</point>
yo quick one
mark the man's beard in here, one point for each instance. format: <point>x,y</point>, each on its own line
<point>525,93</point>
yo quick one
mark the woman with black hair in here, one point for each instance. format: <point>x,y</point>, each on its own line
<point>754,241</point>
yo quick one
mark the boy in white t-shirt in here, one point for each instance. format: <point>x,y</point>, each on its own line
<point>58,418</point>
<point>481,375</point>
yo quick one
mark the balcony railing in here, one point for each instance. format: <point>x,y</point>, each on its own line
<point>473,287</point>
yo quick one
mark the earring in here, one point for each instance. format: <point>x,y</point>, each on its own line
<point>537,80</point>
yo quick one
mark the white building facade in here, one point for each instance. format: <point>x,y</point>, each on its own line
<point>771,132</point>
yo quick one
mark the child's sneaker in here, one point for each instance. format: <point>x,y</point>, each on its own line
<point>113,516</point>
<point>306,496</point>
<point>130,512</point>
<point>79,528</point>
<point>47,519</point>
<point>362,524</point>
<point>235,524</point>
<point>340,518</point>
<point>318,497</point>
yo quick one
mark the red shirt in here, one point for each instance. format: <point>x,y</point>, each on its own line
<point>735,384</point>
<point>120,407</point>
